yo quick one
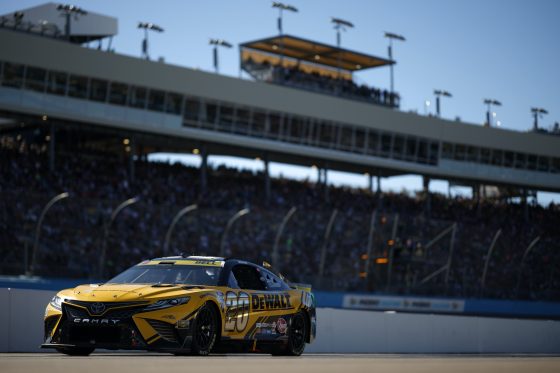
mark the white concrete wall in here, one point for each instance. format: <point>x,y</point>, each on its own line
<point>338,330</point>
<point>342,331</point>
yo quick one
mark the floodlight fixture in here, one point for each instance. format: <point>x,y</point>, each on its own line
<point>281,7</point>
<point>439,93</point>
<point>218,43</point>
<point>147,26</point>
<point>392,36</point>
<point>340,24</point>
<point>537,112</point>
<point>67,11</point>
<point>150,26</point>
<point>489,102</point>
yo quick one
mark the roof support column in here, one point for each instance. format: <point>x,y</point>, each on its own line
<point>203,169</point>
<point>131,164</point>
<point>51,148</point>
<point>427,196</point>
<point>266,178</point>
<point>326,182</point>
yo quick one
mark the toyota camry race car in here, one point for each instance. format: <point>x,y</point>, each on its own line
<point>184,305</point>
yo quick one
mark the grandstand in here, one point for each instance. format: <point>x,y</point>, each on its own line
<point>84,121</point>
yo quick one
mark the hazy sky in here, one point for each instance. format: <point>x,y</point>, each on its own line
<point>503,49</point>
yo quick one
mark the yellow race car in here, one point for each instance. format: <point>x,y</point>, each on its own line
<point>185,305</point>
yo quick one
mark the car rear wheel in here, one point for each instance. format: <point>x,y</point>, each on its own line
<point>205,330</point>
<point>76,351</point>
<point>297,336</point>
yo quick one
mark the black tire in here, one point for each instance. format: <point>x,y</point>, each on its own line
<point>205,331</point>
<point>75,351</point>
<point>297,336</point>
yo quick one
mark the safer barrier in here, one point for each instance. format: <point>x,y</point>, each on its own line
<point>339,330</point>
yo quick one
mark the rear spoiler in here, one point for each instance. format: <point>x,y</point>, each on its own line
<point>304,287</point>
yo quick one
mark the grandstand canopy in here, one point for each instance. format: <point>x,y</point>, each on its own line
<point>316,53</point>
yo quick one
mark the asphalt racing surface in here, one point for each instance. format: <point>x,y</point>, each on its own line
<point>310,363</point>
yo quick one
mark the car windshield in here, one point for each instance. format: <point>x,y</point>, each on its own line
<point>169,274</point>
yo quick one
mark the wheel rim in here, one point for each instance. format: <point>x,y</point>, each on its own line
<point>298,332</point>
<point>204,328</point>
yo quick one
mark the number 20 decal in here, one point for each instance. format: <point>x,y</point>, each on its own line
<point>237,311</point>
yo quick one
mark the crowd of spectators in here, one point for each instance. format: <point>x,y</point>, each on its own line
<point>72,232</point>
<point>314,81</point>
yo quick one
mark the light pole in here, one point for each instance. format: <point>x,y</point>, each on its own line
<point>340,25</point>
<point>525,254</point>
<point>287,217</point>
<point>489,102</point>
<point>47,207</point>
<point>176,219</point>
<point>67,11</point>
<point>391,36</point>
<point>216,43</point>
<point>439,93</point>
<point>232,220</point>
<point>147,26</point>
<point>281,7</point>
<point>537,112</point>
<point>325,245</point>
<point>114,214</point>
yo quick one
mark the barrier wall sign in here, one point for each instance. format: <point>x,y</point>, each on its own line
<point>384,303</point>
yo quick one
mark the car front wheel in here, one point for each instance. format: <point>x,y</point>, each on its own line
<point>205,330</point>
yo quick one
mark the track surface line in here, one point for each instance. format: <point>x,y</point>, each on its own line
<point>309,363</point>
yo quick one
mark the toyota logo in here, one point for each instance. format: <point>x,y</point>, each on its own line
<point>97,308</point>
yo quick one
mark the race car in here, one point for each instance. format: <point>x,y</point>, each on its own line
<point>185,305</point>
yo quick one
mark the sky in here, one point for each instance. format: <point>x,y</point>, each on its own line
<point>500,49</point>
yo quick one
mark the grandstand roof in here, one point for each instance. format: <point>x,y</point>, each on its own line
<point>317,53</point>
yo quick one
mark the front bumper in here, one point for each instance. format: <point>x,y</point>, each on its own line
<point>75,327</point>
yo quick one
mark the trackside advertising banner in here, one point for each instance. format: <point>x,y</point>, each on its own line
<point>384,303</point>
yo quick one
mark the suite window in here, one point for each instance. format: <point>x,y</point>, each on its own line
<point>156,100</point>
<point>192,109</point>
<point>226,117</point>
<point>543,163</point>
<point>359,140</point>
<point>78,86</point>
<point>497,156</point>
<point>410,148</point>
<point>56,82</point>
<point>243,116</point>
<point>326,134</point>
<point>485,155</point>
<point>386,140</point>
<point>520,160</point>
<point>508,159</point>
<point>258,124</point>
<point>98,91</point>
<point>275,123</point>
<point>118,93</point>
<point>138,97</point>
<point>13,75</point>
<point>434,152</point>
<point>422,151</point>
<point>173,103</point>
<point>35,79</point>
<point>373,142</point>
<point>346,137</point>
<point>398,147</point>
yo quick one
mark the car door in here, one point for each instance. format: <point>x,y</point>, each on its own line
<point>239,322</point>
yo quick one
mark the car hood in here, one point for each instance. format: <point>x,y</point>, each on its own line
<point>130,292</point>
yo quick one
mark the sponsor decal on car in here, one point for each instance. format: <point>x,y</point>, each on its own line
<point>281,326</point>
<point>270,302</point>
<point>96,321</point>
